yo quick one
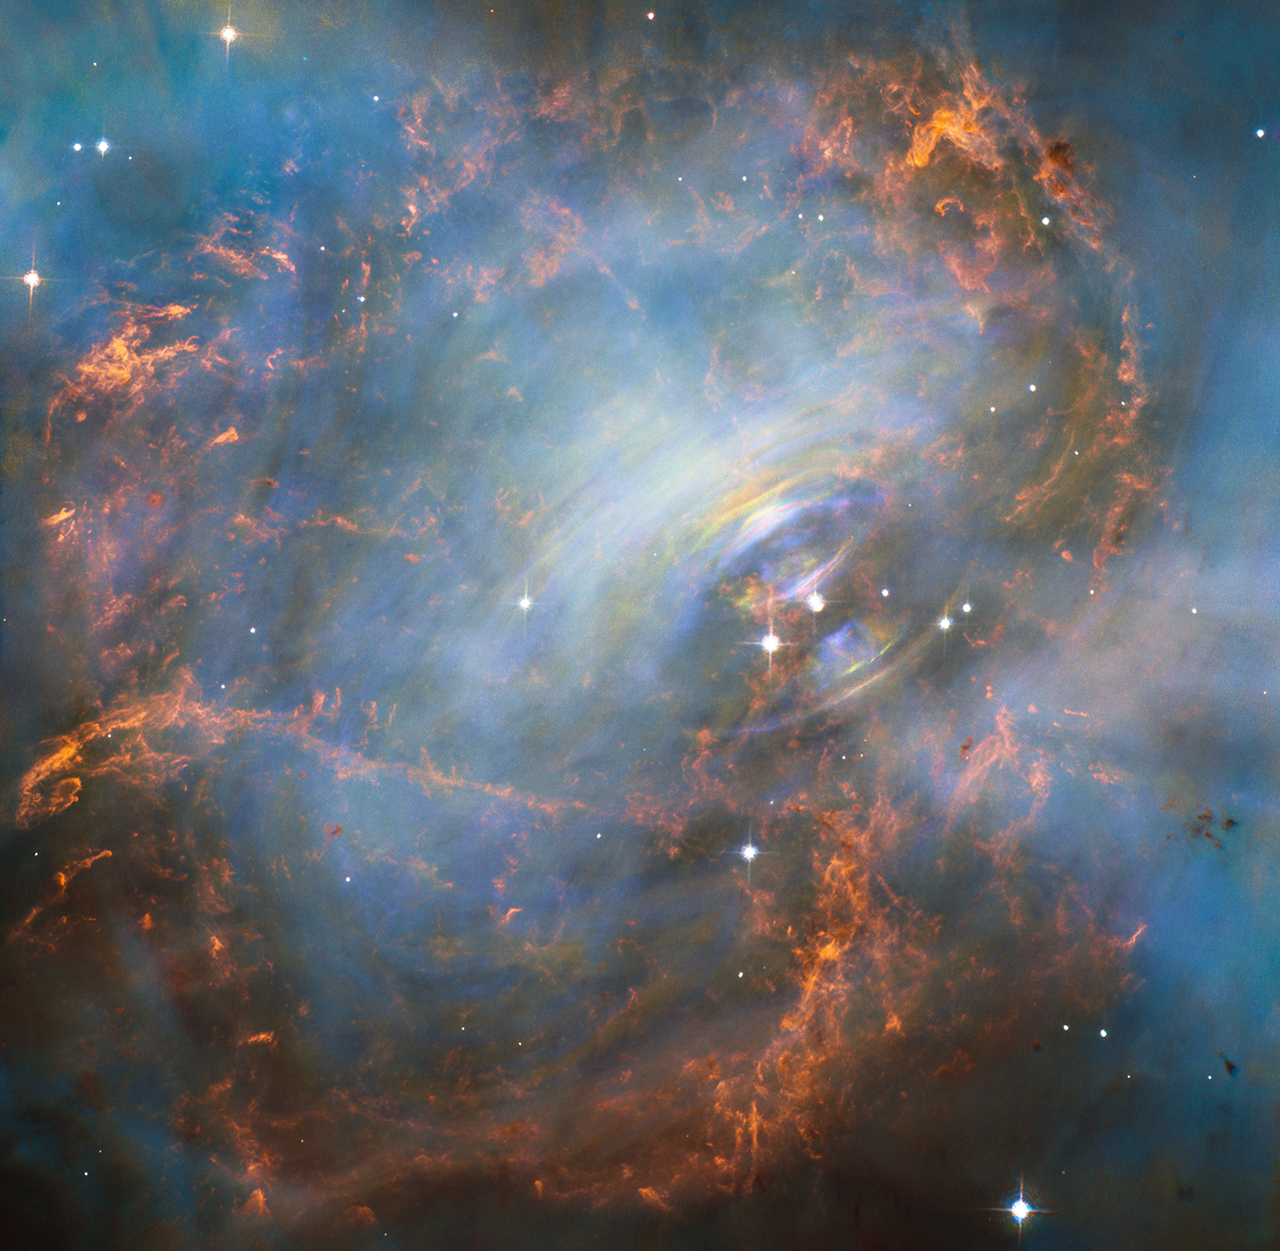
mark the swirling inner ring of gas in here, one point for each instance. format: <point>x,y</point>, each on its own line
<point>792,591</point>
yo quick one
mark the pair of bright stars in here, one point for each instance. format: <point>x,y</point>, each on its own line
<point>945,622</point>
<point>815,601</point>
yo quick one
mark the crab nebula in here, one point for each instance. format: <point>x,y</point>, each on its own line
<point>638,627</point>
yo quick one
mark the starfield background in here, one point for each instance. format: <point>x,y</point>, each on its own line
<point>639,627</point>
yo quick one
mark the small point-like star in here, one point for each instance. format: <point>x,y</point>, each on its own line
<point>103,147</point>
<point>229,34</point>
<point>815,601</point>
<point>771,642</point>
<point>525,602</point>
<point>944,623</point>
<point>1020,1210</point>
<point>748,851</point>
<point>31,279</point>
